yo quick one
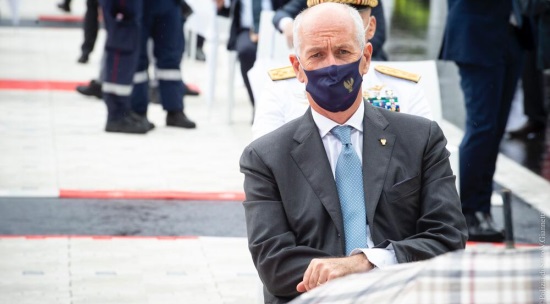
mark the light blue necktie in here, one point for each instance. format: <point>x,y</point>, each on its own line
<point>349,182</point>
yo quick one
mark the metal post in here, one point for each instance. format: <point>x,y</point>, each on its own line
<point>508,225</point>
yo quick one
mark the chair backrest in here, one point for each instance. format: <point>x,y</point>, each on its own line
<point>272,46</point>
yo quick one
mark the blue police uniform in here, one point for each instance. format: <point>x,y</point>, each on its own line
<point>163,22</point>
<point>123,23</point>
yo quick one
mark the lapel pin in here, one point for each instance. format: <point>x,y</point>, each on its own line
<point>383,141</point>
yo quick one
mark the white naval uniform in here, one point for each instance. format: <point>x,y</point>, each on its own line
<point>284,100</point>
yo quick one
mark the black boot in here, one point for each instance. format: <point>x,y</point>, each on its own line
<point>130,123</point>
<point>92,89</point>
<point>178,119</point>
<point>146,121</point>
<point>64,6</point>
<point>83,58</point>
<point>528,129</point>
<point>481,228</point>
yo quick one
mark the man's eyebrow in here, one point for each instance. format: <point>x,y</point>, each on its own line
<point>345,45</point>
<point>314,49</point>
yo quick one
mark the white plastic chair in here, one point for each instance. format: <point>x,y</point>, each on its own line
<point>15,8</point>
<point>207,23</point>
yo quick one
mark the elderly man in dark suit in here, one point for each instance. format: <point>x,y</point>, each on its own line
<point>346,187</point>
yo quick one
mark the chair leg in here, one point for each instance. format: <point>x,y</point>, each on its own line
<point>232,63</point>
<point>14,5</point>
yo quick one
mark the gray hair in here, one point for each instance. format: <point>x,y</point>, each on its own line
<point>354,14</point>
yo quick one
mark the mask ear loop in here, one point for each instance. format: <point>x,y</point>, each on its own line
<point>300,61</point>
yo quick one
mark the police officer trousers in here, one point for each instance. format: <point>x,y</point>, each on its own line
<point>163,22</point>
<point>123,23</point>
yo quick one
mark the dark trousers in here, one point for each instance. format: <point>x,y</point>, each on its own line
<point>533,90</point>
<point>91,26</point>
<point>488,94</point>
<point>163,22</point>
<point>121,51</point>
<point>246,51</point>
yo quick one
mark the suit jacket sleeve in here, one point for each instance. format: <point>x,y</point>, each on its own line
<point>280,261</point>
<point>291,9</point>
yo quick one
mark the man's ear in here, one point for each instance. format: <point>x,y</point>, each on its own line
<point>372,27</point>
<point>300,75</point>
<point>367,53</point>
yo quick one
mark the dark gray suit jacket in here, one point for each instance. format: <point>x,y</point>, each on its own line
<point>292,206</point>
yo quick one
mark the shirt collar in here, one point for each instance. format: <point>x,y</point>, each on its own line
<point>324,125</point>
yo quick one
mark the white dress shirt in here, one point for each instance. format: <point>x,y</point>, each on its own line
<point>380,257</point>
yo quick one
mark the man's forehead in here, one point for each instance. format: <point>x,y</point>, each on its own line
<point>327,21</point>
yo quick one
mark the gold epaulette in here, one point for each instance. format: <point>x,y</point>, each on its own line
<point>397,73</point>
<point>281,73</point>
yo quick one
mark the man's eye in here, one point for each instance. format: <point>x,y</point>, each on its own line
<point>316,55</point>
<point>344,52</point>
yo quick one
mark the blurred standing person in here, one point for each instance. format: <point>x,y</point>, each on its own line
<point>243,35</point>
<point>533,73</point>
<point>543,62</point>
<point>284,16</point>
<point>123,21</point>
<point>163,22</point>
<point>90,27</point>
<point>482,38</point>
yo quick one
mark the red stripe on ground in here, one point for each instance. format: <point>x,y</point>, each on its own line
<point>98,237</point>
<point>59,18</point>
<point>498,245</point>
<point>171,195</point>
<point>31,85</point>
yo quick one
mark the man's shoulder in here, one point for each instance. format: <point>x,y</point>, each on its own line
<point>283,134</point>
<point>385,78</point>
<point>282,73</point>
<point>397,74</point>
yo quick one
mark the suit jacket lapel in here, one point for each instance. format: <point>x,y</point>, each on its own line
<point>311,157</point>
<point>376,157</point>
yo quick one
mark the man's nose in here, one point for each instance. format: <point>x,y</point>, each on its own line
<point>331,60</point>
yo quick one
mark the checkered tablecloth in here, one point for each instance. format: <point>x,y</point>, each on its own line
<point>479,275</point>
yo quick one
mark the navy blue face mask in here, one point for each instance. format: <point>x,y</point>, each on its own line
<point>335,88</point>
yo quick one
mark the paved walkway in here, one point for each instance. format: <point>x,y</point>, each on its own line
<point>53,144</point>
<point>126,270</point>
